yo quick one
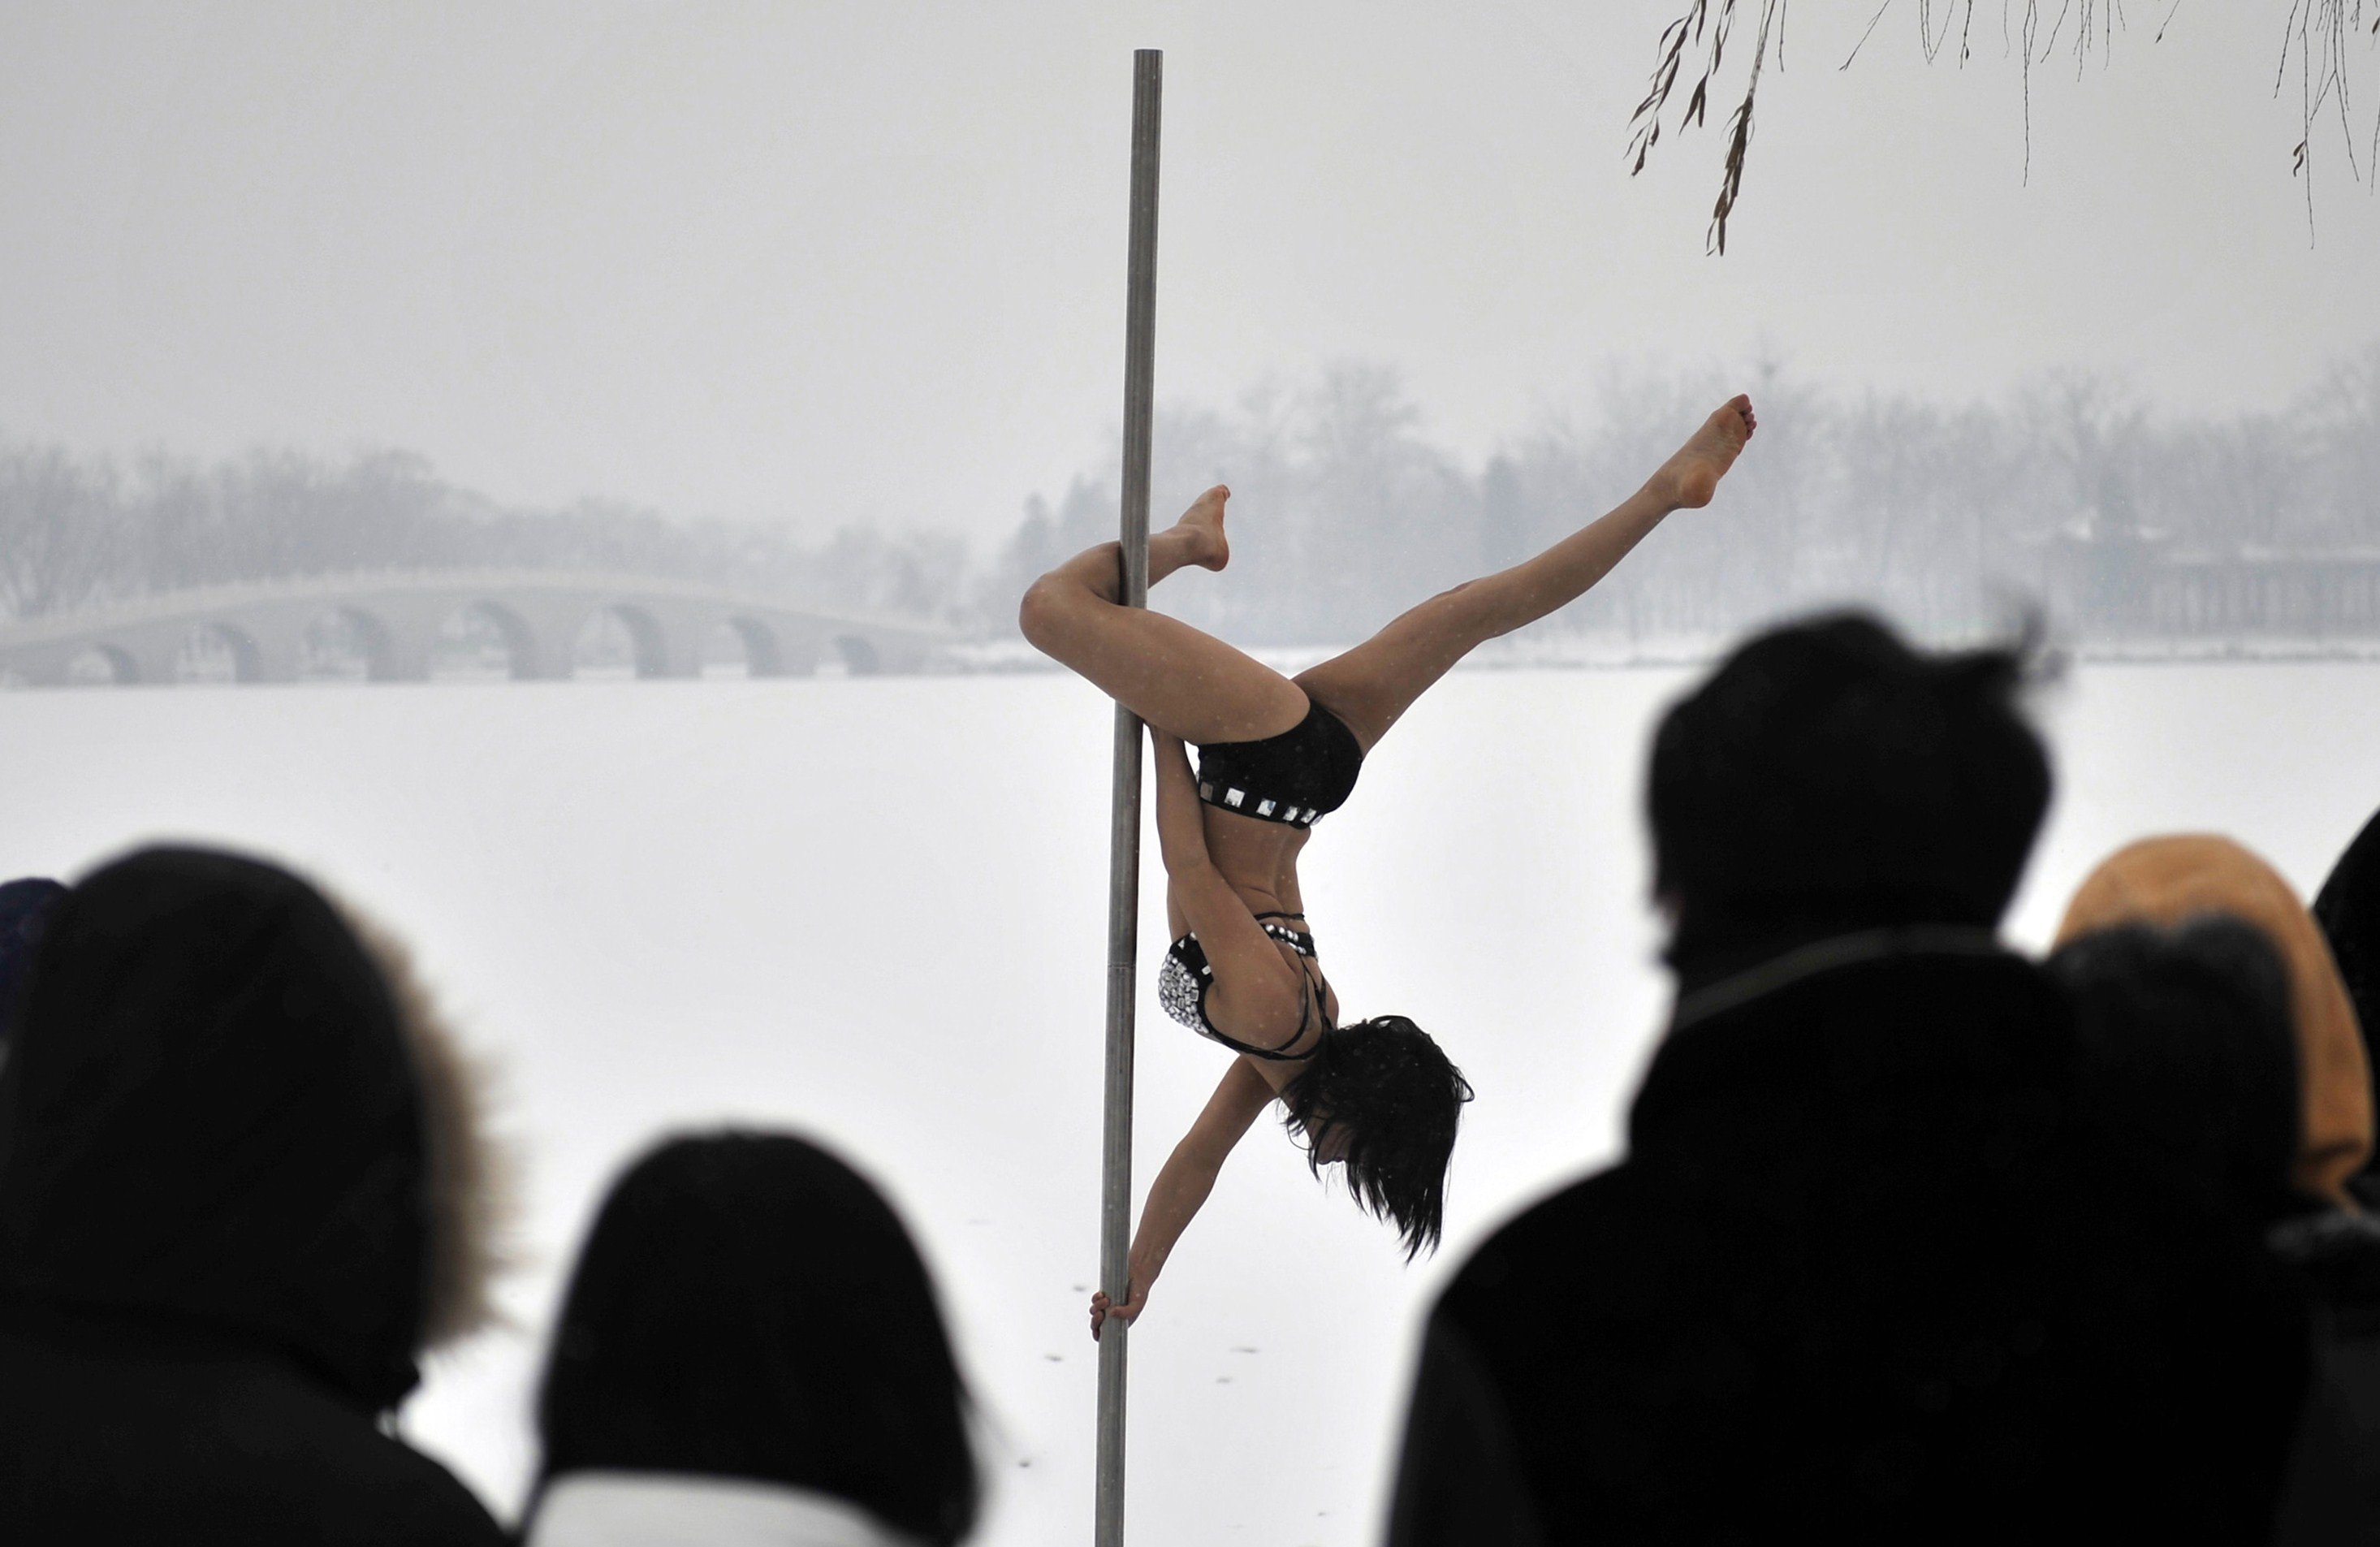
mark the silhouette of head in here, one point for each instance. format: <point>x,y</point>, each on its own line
<point>2169,879</point>
<point>1382,1099</point>
<point>1828,775</point>
<point>747,1306</point>
<point>2189,1053</point>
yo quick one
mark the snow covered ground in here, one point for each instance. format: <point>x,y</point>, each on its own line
<point>872,910</point>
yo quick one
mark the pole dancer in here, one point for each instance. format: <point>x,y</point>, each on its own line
<point>1275,753</point>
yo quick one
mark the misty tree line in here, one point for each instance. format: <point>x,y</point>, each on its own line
<point>1344,510</point>
<point>1951,516</point>
<point>77,530</point>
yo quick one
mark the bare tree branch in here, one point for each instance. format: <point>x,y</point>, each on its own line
<point>2315,32</point>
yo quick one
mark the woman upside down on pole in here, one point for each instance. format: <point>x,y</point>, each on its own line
<point>1275,753</point>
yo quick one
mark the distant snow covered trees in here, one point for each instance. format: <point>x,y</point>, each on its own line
<point>77,530</point>
<point>2073,491</point>
<point>2124,517</point>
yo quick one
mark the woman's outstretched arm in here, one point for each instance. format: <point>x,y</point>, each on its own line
<point>1183,1184</point>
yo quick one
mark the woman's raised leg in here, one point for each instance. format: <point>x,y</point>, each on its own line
<point>1371,686</point>
<point>1185,683</point>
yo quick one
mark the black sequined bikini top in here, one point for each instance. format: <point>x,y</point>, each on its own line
<point>1186,975</point>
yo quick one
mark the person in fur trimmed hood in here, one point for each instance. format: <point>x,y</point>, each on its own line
<point>242,1189</point>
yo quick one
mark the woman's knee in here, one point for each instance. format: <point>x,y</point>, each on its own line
<point>1048,603</point>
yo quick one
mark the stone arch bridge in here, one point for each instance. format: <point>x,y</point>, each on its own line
<point>395,621</point>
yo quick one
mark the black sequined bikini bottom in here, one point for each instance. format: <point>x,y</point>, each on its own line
<point>1292,778</point>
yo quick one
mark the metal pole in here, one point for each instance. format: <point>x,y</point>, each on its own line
<point>1123,828</point>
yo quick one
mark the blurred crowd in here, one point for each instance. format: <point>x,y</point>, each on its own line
<point>1914,1238</point>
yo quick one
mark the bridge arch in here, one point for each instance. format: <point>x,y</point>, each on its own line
<point>599,638</point>
<point>218,651</point>
<point>860,656</point>
<point>484,638</point>
<point>348,642</point>
<point>102,664</point>
<point>761,650</point>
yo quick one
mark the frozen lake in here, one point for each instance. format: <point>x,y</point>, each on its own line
<point>872,910</point>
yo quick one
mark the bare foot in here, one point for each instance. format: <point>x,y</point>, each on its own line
<point>1691,477</point>
<point>1201,530</point>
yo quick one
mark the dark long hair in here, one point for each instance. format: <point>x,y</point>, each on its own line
<point>747,1306</point>
<point>1397,1099</point>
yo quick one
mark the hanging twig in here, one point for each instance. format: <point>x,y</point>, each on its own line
<point>1739,140</point>
<point>1700,20</point>
<point>2317,31</point>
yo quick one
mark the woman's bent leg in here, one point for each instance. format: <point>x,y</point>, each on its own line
<point>1371,686</point>
<point>1185,682</point>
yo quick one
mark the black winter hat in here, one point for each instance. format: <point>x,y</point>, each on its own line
<point>1827,768</point>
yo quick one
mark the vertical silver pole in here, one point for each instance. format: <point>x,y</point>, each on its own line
<point>1123,829</point>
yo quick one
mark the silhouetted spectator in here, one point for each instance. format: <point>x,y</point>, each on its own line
<point>2188,1055</point>
<point>240,1189</point>
<point>2348,908</point>
<point>751,1351</point>
<point>23,906</point>
<point>1866,1272</point>
<point>2135,994</point>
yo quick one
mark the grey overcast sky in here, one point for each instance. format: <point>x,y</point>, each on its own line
<point>862,262</point>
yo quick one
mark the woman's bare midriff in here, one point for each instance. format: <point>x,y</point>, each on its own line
<point>1259,859</point>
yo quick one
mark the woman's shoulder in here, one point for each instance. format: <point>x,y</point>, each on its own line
<point>648,1509</point>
